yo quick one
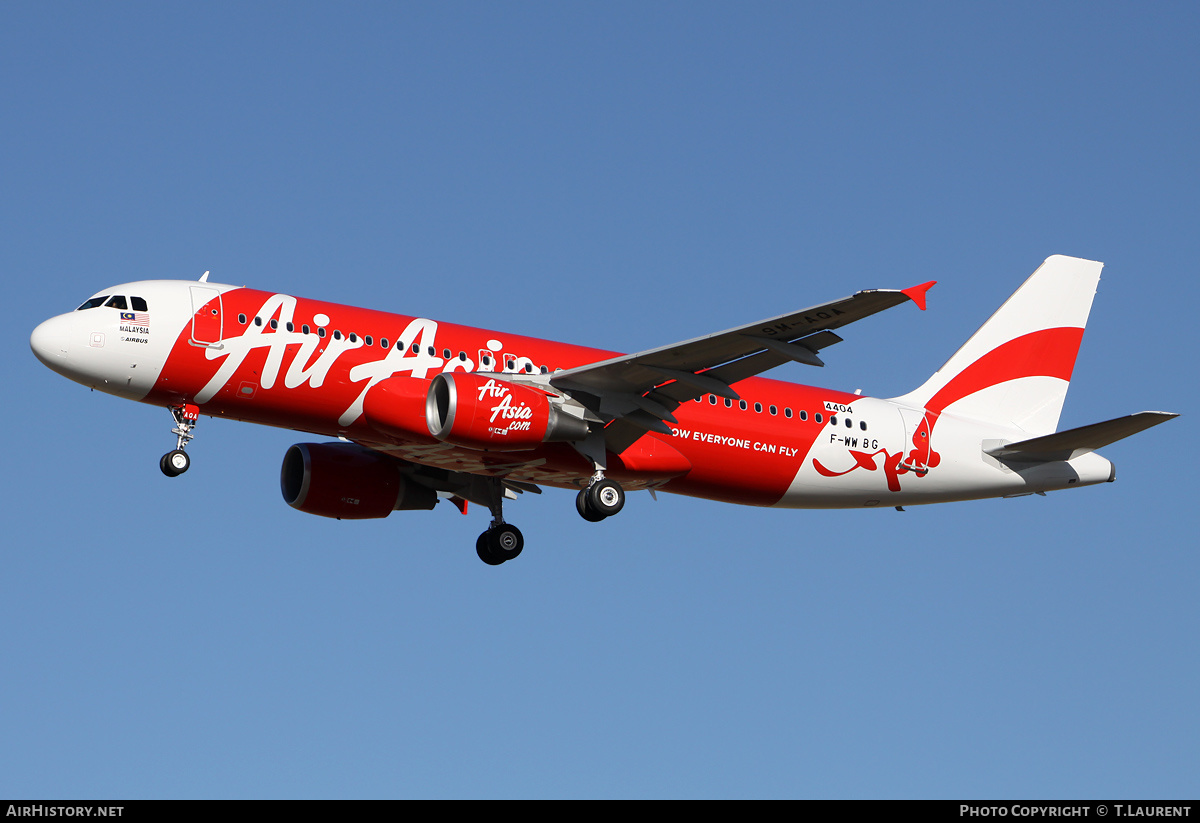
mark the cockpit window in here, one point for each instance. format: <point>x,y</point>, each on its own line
<point>93,303</point>
<point>138,304</point>
<point>117,302</point>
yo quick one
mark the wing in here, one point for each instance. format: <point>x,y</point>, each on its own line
<point>637,392</point>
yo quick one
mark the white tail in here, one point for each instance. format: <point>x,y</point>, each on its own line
<point>1016,369</point>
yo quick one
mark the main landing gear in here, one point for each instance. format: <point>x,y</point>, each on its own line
<point>603,498</point>
<point>499,544</point>
<point>176,462</point>
<point>502,541</point>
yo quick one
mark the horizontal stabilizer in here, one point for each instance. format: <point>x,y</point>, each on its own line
<point>1071,443</point>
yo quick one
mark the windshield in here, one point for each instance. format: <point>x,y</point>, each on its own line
<point>93,303</point>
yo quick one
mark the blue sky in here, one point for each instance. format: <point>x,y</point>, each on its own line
<point>620,175</point>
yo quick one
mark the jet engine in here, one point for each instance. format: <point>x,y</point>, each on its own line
<point>348,482</point>
<point>395,407</point>
<point>480,412</point>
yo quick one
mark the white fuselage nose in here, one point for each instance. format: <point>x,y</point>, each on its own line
<point>87,347</point>
<point>117,350</point>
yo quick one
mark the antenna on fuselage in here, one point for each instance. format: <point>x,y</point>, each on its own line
<point>204,277</point>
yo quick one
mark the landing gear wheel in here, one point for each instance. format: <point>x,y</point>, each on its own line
<point>174,463</point>
<point>605,497</point>
<point>499,544</point>
<point>505,541</point>
<point>484,552</point>
<point>585,508</point>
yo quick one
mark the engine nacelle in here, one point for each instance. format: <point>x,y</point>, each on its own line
<point>481,412</point>
<point>348,482</point>
<point>395,407</point>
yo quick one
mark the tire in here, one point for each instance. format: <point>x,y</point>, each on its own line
<point>485,552</point>
<point>606,497</point>
<point>585,508</point>
<point>504,542</point>
<point>179,461</point>
<point>174,463</point>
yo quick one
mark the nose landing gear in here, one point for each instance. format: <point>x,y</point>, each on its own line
<point>176,462</point>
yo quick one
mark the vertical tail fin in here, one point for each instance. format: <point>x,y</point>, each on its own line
<point>1016,369</point>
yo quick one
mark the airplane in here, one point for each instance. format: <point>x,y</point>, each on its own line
<point>424,410</point>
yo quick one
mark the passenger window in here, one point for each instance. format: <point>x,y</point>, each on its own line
<point>803,414</point>
<point>138,304</point>
<point>862,424</point>
<point>758,407</point>
<point>787,412</point>
<point>728,403</point>
<point>849,423</point>
<point>118,302</point>
<point>242,319</point>
<point>817,417</point>
<point>743,405</point>
<point>712,400</point>
<point>274,324</point>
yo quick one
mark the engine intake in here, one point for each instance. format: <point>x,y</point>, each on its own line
<point>480,412</point>
<point>349,482</point>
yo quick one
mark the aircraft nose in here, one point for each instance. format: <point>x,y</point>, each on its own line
<point>49,343</point>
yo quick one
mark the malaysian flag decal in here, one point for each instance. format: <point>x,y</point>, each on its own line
<point>138,318</point>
